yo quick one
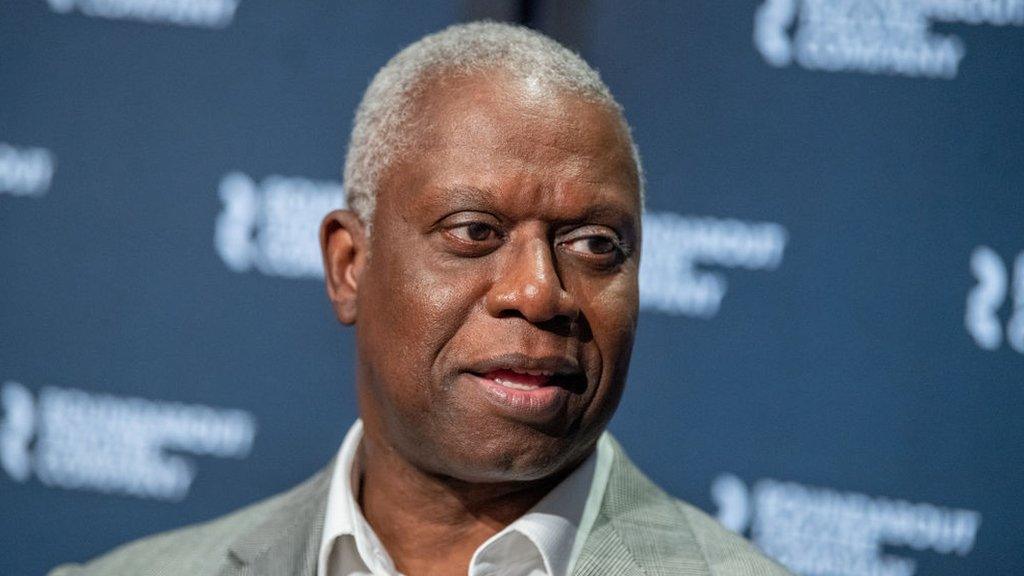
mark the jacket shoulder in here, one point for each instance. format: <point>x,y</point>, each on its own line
<point>726,552</point>
<point>199,549</point>
<point>665,535</point>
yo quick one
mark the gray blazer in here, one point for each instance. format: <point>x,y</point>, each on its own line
<point>639,531</point>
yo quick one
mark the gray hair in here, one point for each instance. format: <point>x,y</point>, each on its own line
<point>380,132</point>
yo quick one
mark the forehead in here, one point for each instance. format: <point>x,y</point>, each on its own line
<point>518,139</point>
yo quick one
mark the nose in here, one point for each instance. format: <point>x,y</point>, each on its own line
<point>529,286</point>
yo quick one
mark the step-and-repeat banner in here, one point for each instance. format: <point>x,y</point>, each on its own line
<point>831,351</point>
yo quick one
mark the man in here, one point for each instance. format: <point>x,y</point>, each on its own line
<point>489,265</point>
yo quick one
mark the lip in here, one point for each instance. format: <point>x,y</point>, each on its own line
<point>530,389</point>
<point>556,364</point>
<point>537,405</point>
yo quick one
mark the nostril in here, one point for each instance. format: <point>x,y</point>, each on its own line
<point>560,325</point>
<point>510,313</point>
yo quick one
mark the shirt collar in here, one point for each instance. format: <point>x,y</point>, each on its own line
<point>556,523</point>
<point>555,528</point>
<point>344,517</point>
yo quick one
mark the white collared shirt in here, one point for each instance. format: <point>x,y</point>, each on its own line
<point>543,542</point>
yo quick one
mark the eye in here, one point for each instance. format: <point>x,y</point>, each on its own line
<point>471,238</point>
<point>474,232</point>
<point>594,245</point>
<point>598,244</point>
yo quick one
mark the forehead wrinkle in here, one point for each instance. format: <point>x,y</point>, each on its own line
<point>606,205</point>
<point>545,204</point>
<point>461,195</point>
<point>562,156</point>
<point>605,160</point>
<point>559,124</point>
<point>580,174</point>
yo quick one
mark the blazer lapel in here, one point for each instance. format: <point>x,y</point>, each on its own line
<point>287,539</point>
<point>640,530</point>
<point>605,553</point>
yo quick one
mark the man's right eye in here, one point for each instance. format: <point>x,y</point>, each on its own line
<point>474,232</point>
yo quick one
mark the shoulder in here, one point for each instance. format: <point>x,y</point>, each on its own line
<point>669,536</point>
<point>726,552</point>
<point>197,550</point>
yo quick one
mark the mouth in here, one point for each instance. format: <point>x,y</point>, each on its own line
<point>530,389</point>
<point>526,380</point>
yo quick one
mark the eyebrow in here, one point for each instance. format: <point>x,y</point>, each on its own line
<point>475,197</point>
<point>463,194</point>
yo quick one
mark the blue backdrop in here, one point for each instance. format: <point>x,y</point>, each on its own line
<point>831,351</point>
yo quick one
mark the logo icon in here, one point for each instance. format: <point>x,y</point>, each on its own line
<point>981,315</point>
<point>873,36</point>
<point>272,225</point>
<point>25,171</point>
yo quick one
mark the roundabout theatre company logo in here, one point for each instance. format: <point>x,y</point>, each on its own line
<point>194,13</point>
<point>80,440</point>
<point>271,226</point>
<point>823,532</point>
<point>874,36</point>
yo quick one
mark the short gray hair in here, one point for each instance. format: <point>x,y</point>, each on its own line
<point>380,132</point>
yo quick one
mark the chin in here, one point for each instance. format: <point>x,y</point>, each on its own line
<point>502,459</point>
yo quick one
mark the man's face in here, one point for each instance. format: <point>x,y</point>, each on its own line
<point>497,310</point>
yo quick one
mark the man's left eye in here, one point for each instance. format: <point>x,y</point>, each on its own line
<point>598,245</point>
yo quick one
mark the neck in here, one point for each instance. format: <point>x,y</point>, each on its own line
<point>432,524</point>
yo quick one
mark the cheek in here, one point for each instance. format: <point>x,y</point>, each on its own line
<point>417,309</point>
<point>611,310</point>
<point>611,307</point>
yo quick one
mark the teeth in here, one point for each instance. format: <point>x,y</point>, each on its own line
<point>538,372</point>
<point>514,385</point>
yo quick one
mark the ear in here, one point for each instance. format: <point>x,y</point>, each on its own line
<point>344,247</point>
